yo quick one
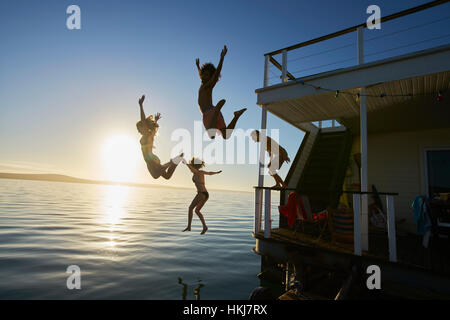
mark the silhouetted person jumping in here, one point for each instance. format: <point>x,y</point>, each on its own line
<point>212,115</point>
<point>202,194</point>
<point>278,155</point>
<point>148,127</point>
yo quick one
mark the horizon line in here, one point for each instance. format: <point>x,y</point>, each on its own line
<point>70,179</point>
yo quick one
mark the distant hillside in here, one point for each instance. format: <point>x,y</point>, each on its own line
<point>64,178</point>
<point>45,177</point>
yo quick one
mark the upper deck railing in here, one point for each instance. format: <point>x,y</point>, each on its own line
<point>437,35</point>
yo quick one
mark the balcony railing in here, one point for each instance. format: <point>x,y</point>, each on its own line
<point>288,54</point>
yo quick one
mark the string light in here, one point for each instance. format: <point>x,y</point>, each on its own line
<point>358,96</point>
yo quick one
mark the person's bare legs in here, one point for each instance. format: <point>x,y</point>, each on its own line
<point>197,204</point>
<point>169,168</point>
<point>212,124</point>
<point>226,133</point>
<point>167,174</point>
<point>194,203</point>
<point>279,182</point>
<point>199,214</point>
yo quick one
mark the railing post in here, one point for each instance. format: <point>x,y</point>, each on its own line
<point>357,223</point>
<point>267,217</point>
<point>391,228</point>
<point>258,210</point>
<point>266,71</point>
<point>360,41</point>
<point>363,143</point>
<point>284,66</point>
<point>262,151</point>
<point>259,192</point>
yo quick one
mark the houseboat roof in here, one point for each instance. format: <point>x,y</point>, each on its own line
<point>394,85</point>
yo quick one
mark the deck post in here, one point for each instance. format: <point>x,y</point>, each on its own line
<point>258,210</point>
<point>259,192</point>
<point>363,138</point>
<point>284,66</point>
<point>391,228</point>
<point>267,216</point>
<point>262,151</point>
<point>357,223</point>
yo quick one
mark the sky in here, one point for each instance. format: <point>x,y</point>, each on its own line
<point>68,98</point>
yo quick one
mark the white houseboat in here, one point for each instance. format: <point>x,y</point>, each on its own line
<point>388,142</point>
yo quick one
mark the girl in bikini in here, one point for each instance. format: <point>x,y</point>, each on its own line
<point>148,127</point>
<point>202,194</point>
<point>212,115</point>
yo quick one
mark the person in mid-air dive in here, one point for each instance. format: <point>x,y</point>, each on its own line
<point>278,155</point>
<point>202,196</point>
<point>148,127</point>
<point>212,115</point>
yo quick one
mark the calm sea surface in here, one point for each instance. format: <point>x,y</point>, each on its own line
<point>127,242</point>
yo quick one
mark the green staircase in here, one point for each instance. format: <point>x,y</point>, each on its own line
<point>324,172</point>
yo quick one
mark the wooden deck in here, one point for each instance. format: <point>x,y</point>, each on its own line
<point>410,252</point>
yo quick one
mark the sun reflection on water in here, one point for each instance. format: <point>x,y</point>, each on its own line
<point>113,211</point>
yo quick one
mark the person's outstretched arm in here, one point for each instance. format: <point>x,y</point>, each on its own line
<point>141,103</point>
<point>216,74</point>
<point>197,63</point>
<point>157,117</point>
<point>210,173</point>
<point>219,66</point>
<point>193,170</point>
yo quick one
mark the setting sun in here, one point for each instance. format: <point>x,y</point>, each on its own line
<point>120,156</point>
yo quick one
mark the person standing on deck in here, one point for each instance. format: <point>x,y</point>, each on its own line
<point>278,155</point>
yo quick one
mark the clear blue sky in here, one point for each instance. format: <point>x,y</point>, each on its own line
<point>63,92</point>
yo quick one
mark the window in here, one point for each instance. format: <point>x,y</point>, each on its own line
<point>438,171</point>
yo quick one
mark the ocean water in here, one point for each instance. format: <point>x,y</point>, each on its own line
<point>127,242</point>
